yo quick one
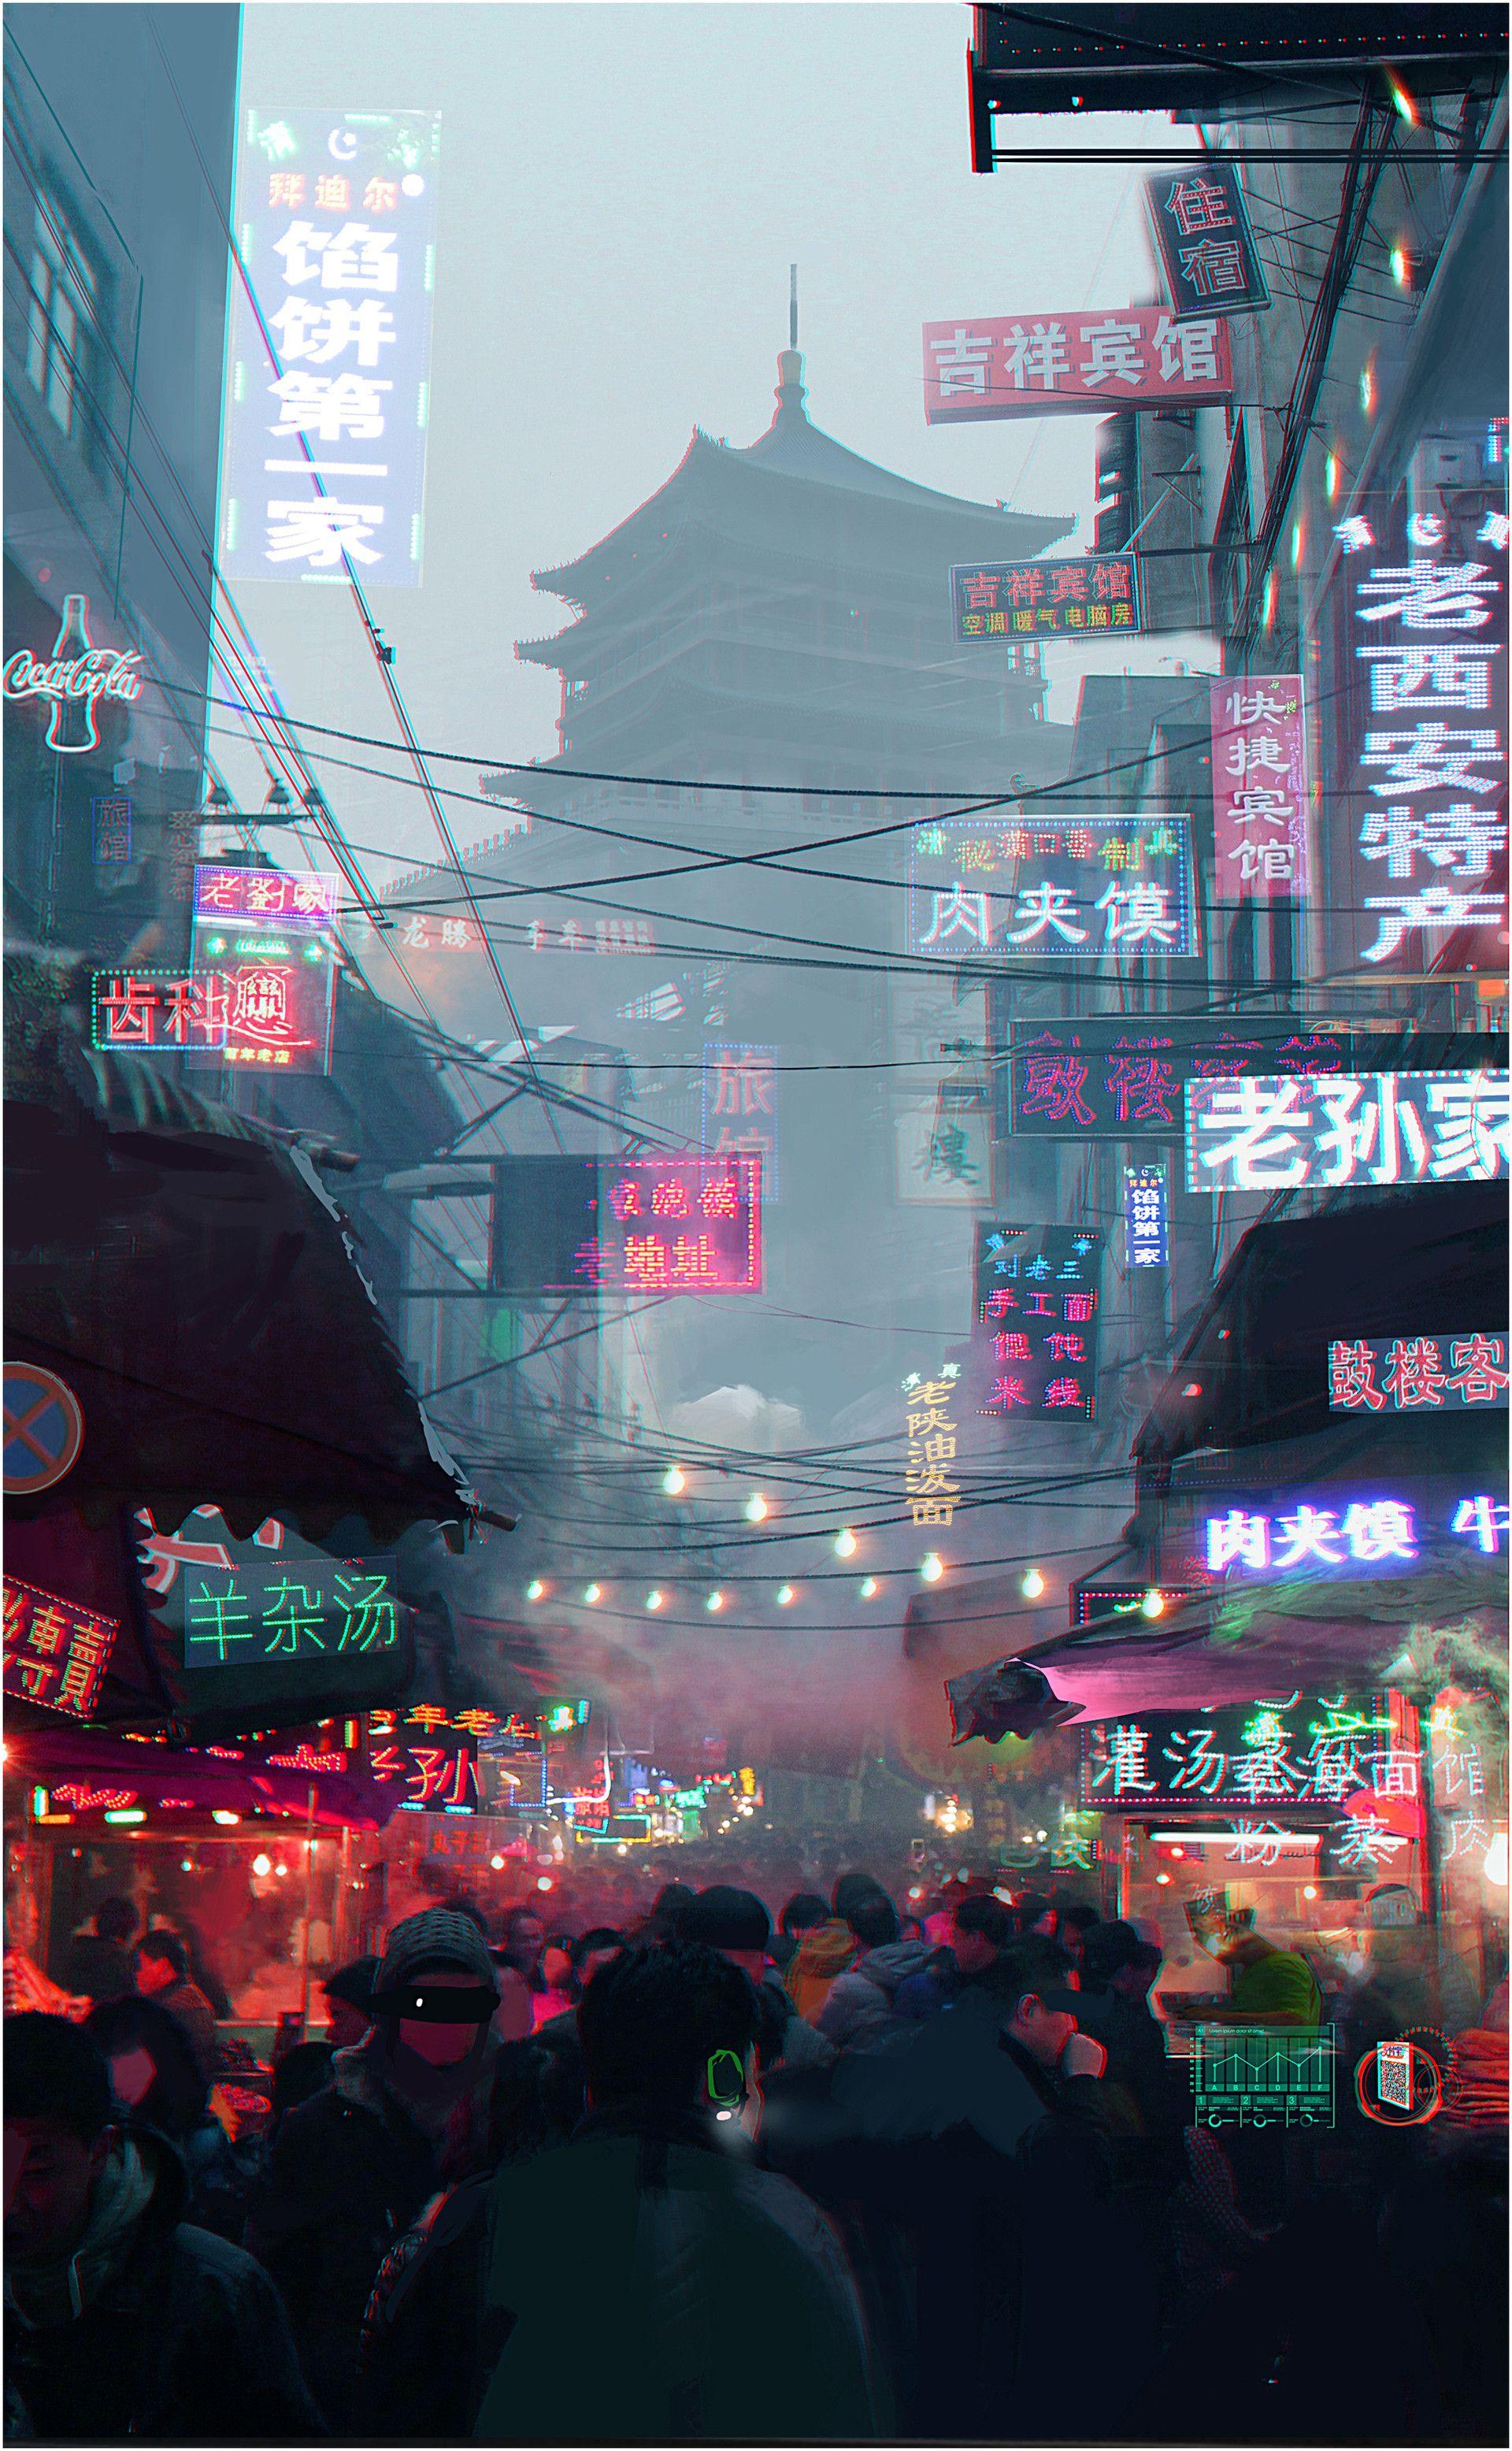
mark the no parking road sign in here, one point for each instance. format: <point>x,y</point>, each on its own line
<point>44,1429</point>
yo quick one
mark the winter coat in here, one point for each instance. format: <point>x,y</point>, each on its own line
<point>152,2328</point>
<point>823,1953</point>
<point>351,2170</point>
<point>99,1970</point>
<point>188,2003</point>
<point>419,2371</point>
<point>860,2001</point>
<point>634,2275</point>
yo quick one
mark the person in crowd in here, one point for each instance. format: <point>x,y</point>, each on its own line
<point>1148,2095</point>
<point>521,1946</point>
<point>592,1950</point>
<point>349,1996</point>
<point>665,1919</point>
<point>100,1964</point>
<point>803,1911</point>
<point>1073,1922</point>
<point>162,1976</point>
<point>202,1972</point>
<point>860,2005</point>
<point>827,1948</point>
<point>123,2320</point>
<point>352,2168</point>
<point>1036,1917</point>
<point>738,1924</point>
<point>157,2078</point>
<point>980,1930</point>
<point>683,2255</point>
<point>419,2373</point>
<point>558,1991</point>
<point>1267,1986</point>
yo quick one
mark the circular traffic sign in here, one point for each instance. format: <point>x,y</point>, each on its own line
<point>44,1428</point>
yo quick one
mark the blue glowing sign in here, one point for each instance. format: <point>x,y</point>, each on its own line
<point>337,227</point>
<point>1147,1225</point>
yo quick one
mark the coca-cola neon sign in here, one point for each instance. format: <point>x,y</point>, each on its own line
<point>79,676</point>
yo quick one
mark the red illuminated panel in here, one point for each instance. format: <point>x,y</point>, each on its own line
<point>677,1226</point>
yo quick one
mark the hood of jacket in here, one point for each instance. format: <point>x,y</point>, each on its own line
<point>141,2193</point>
<point>891,1964</point>
<point>823,1953</point>
<point>947,2072</point>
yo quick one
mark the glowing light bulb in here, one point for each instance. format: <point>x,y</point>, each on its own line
<point>786,1595</point>
<point>1162,1880</point>
<point>1494,1865</point>
<point>1032,1584</point>
<point>675,1480</point>
<point>932,1568</point>
<point>1331,476</point>
<point>226,1820</point>
<point>757,1508</point>
<point>715,1603</point>
<point>496,1863</point>
<point>1406,107</point>
<point>594,1591</point>
<point>870,1588</point>
<point>261,1866</point>
<point>656,1599</point>
<point>846,1543</point>
<point>1309,1893</point>
<point>1400,266</point>
<point>1153,1603</point>
<point>544,1882</point>
<point>281,1871</point>
<point>536,1591</point>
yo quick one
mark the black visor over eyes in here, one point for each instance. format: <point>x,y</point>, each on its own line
<point>438,2003</point>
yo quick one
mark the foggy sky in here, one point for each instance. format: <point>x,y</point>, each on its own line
<point>621,190</point>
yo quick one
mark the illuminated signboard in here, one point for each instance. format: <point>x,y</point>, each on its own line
<point>1146,1221</point>
<point>1093,1602</point>
<point>930,1422</point>
<point>1203,242</point>
<point>1091,596</point>
<point>1271,1134</point>
<point>297,1608</point>
<point>740,1105</point>
<point>1251,2075</point>
<point>1076,362</point>
<point>55,1652</point>
<point>1073,888</point>
<point>1412,1374</point>
<point>337,221</point>
<point>78,676</point>
<point>572,933</point>
<point>1383,1532</point>
<point>436,1777</point>
<point>631,1226</point>
<point>1260,788</point>
<point>269,897</point>
<point>1037,1301</point>
<point>1296,1750</point>
<point>1420,681</point>
<point>110,826</point>
<point>274,992</point>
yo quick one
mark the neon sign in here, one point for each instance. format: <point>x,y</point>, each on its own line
<point>79,676</point>
<point>1271,1134</point>
<point>931,1427</point>
<point>1367,1532</point>
<point>1260,786</point>
<point>1409,1374</point>
<point>1147,1224</point>
<point>1074,888</point>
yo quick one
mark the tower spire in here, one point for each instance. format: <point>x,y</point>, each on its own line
<point>791,394</point>
<point>793,305</point>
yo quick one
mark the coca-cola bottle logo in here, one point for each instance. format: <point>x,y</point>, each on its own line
<point>79,674</point>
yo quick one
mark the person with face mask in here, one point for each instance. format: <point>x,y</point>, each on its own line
<point>352,2168</point>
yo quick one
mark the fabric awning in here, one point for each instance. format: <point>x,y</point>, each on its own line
<point>238,1779</point>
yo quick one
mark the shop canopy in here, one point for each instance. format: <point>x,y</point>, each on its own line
<point>269,1778</point>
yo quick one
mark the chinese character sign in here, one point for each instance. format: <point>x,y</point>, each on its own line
<point>1412,1374</point>
<point>337,219</point>
<point>740,1105</point>
<point>272,984</point>
<point>1274,1134</point>
<point>162,1012</point>
<point>1260,788</point>
<point>674,1226</point>
<point>55,1652</point>
<point>619,934</point>
<point>1203,243</point>
<point>436,1777</point>
<point>294,1608</point>
<point>1092,597</point>
<point>111,824</point>
<point>1257,1758</point>
<point>1147,1225</point>
<point>929,1421</point>
<point>1419,744</point>
<point>1073,889</point>
<point>1349,1535</point>
<point>1091,362</point>
<point>270,897</point>
<point>1038,1294</point>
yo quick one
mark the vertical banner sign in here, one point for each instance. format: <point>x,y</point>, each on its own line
<point>1260,787</point>
<point>1037,1298</point>
<point>337,227</point>
<point>929,1421</point>
<point>740,1105</point>
<point>110,822</point>
<point>1420,746</point>
<point>1147,1224</point>
<point>1203,242</point>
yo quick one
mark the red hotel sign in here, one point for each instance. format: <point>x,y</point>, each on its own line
<point>1070,363</point>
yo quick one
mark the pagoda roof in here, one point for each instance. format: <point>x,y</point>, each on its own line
<point>797,453</point>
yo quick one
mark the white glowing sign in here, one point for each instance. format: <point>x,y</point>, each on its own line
<point>1363,1532</point>
<point>1275,1134</point>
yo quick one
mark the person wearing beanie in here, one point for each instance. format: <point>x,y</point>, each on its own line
<point>827,1949</point>
<point>353,2166</point>
<point>738,1924</point>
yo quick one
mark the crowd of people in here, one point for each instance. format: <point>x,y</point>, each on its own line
<point>874,2172</point>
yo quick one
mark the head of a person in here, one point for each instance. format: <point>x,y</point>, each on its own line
<point>594,1947</point>
<point>980,1930</point>
<point>803,1911</point>
<point>350,2002</point>
<point>735,1923</point>
<point>116,1919</point>
<point>667,2027</point>
<point>162,1960</point>
<point>1115,1958</point>
<point>58,2134</point>
<point>874,1920</point>
<point>850,1889</point>
<point>1036,1917</point>
<point>300,2075</point>
<point>153,2071</point>
<point>1032,1980</point>
<point>435,1992</point>
<point>1075,1922</point>
<point>523,1938</point>
<point>1218,1926</point>
<point>670,1908</point>
<point>556,1961</point>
